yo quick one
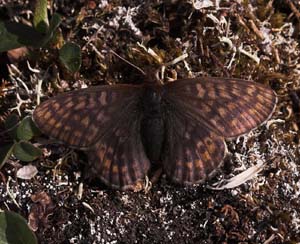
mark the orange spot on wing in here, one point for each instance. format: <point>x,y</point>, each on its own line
<point>102,98</point>
<point>201,90</point>
<point>80,106</point>
<point>47,115</point>
<point>85,121</point>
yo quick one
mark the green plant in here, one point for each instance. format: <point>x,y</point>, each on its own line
<point>20,133</point>
<point>14,229</point>
<point>14,35</point>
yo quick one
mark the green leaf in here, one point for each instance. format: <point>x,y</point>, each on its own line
<point>14,229</point>
<point>40,20</point>
<point>27,129</point>
<point>70,56</point>
<point>5,152</point>
<point>54,23</point>
<point>11,123</point>
<point>26,152</point>
<point>14,35</point>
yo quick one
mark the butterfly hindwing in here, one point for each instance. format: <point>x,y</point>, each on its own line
<point>192,153</point>
<point>230,107</point>
<point>120,156</point>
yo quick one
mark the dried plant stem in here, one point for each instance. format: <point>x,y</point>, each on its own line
<point>10,194</point>
<point>136,67</point>
<point>294,9</point>
<point>256,30</point>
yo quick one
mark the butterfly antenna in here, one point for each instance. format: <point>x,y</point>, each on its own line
<point>126,61</point>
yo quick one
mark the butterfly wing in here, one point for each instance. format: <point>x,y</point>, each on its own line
<point>200,113</point>
<point>79,118</point>
<point>192,152</point>
<point>105,122</point>
<point>122,155</point>
<point>230,107</point>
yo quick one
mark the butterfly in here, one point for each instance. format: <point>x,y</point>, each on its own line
<point>181,125</point>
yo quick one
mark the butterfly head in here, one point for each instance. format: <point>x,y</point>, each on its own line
<point>151,76</point>
<point>153,94</point>
<point>152,100</point>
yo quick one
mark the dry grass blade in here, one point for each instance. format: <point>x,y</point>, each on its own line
<point>239,179</point>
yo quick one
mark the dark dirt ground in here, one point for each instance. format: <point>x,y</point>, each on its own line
<point>256,40</point>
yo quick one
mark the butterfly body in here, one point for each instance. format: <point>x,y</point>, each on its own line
<point>153,122</point>
<point>180,125</point>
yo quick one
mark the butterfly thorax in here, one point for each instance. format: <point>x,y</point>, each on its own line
<point>152,123</point>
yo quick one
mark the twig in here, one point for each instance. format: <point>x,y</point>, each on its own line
<point>136,67</point>
<point>39,91</point>
<point>100,55</point>
<point>80,191</point>
<point>219,63</point>
<point>10,194</point>
<point>177,60</point>
<point>294,9</point>
<point>256,30</point>
<point>32,69</point>
<point>85,204</point>
<point>252,56</point>
<point>239,179</point>
<point>232,47</point>
<point>19,104</point>
<point>242,23</point>
<point>148,185</point>
<point>270,239</point>
<point>151,52</point>
<point>24,85</point>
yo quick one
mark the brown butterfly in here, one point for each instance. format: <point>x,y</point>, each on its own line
<point>182,124</point>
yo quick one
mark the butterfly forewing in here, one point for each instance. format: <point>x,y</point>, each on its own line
<point>80,118</point>
<point>230,107</point>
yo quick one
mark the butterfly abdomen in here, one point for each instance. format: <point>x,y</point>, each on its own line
<point>152,123</point>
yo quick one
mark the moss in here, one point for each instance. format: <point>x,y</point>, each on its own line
<point>277,20</point>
